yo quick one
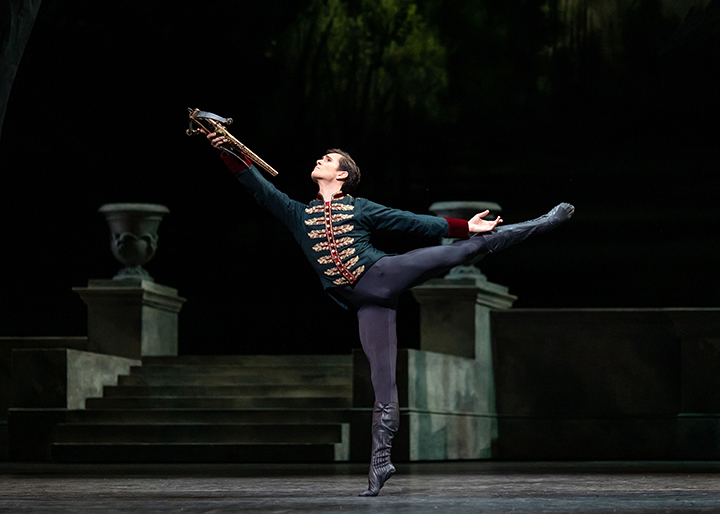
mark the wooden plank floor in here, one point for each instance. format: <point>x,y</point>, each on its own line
<point>417,488</point>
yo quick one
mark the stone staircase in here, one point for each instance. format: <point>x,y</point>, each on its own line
<point>259,408</point>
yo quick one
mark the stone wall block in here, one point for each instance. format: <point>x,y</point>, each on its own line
<point>46,384</point>
<point>585,363</point>
<point>8,344</point>
<point>698,436</point>
<point>39,379</point>
<point>88,373</point>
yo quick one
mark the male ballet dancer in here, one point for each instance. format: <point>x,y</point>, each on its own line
<point>334,232</point>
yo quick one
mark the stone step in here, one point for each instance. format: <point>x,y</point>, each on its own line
<point>298,372</point>
<point>260,391</point>
<point>254,408</point>
<point>137,416</point>
<point>200,379</point>
<point>291,361</point>
<point>199,433</point>
<point>196,453</point>
<point>217,402</point>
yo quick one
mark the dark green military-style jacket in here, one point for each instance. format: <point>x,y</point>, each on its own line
<point>335,235</point>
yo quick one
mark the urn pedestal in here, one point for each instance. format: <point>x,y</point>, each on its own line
<point>455,315</point>
<point>131,318</point>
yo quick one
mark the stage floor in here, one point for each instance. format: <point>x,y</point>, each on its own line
<point>417,488</point>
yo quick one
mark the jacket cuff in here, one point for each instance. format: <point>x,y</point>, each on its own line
<point>235,165</point>
<point>457,228</point>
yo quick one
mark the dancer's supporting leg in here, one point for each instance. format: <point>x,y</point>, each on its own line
<point>379,341</point>
<point>375,297</point>
<point>378,336</point>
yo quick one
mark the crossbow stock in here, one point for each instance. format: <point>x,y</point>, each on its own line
<point>213,123</point>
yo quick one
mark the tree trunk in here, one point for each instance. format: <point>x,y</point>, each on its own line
<point>17,18</point>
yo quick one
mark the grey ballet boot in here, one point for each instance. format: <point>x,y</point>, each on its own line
<point>385,422</point>
<point>508,235</point>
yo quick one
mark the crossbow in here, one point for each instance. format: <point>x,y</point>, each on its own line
<point>210,122</point>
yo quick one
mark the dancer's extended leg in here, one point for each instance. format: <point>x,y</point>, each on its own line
<point>393,274</point>
<point>507,235</point>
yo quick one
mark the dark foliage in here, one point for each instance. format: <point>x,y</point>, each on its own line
<point>525,103</point>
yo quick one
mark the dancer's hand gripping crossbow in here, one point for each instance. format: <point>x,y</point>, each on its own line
<point>209,123</point>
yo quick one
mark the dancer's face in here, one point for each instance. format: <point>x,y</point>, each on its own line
<point>326,168</point>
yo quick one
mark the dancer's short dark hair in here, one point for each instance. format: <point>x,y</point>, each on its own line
<point>347,164</point>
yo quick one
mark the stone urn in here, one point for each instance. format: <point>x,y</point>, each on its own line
<point>133,232</point>
<point>464,210</point>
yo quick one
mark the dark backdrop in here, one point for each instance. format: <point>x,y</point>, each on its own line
<point>97,114</point>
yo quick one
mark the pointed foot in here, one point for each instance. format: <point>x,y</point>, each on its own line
<point>562,212</point>
<point>375,485</point>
